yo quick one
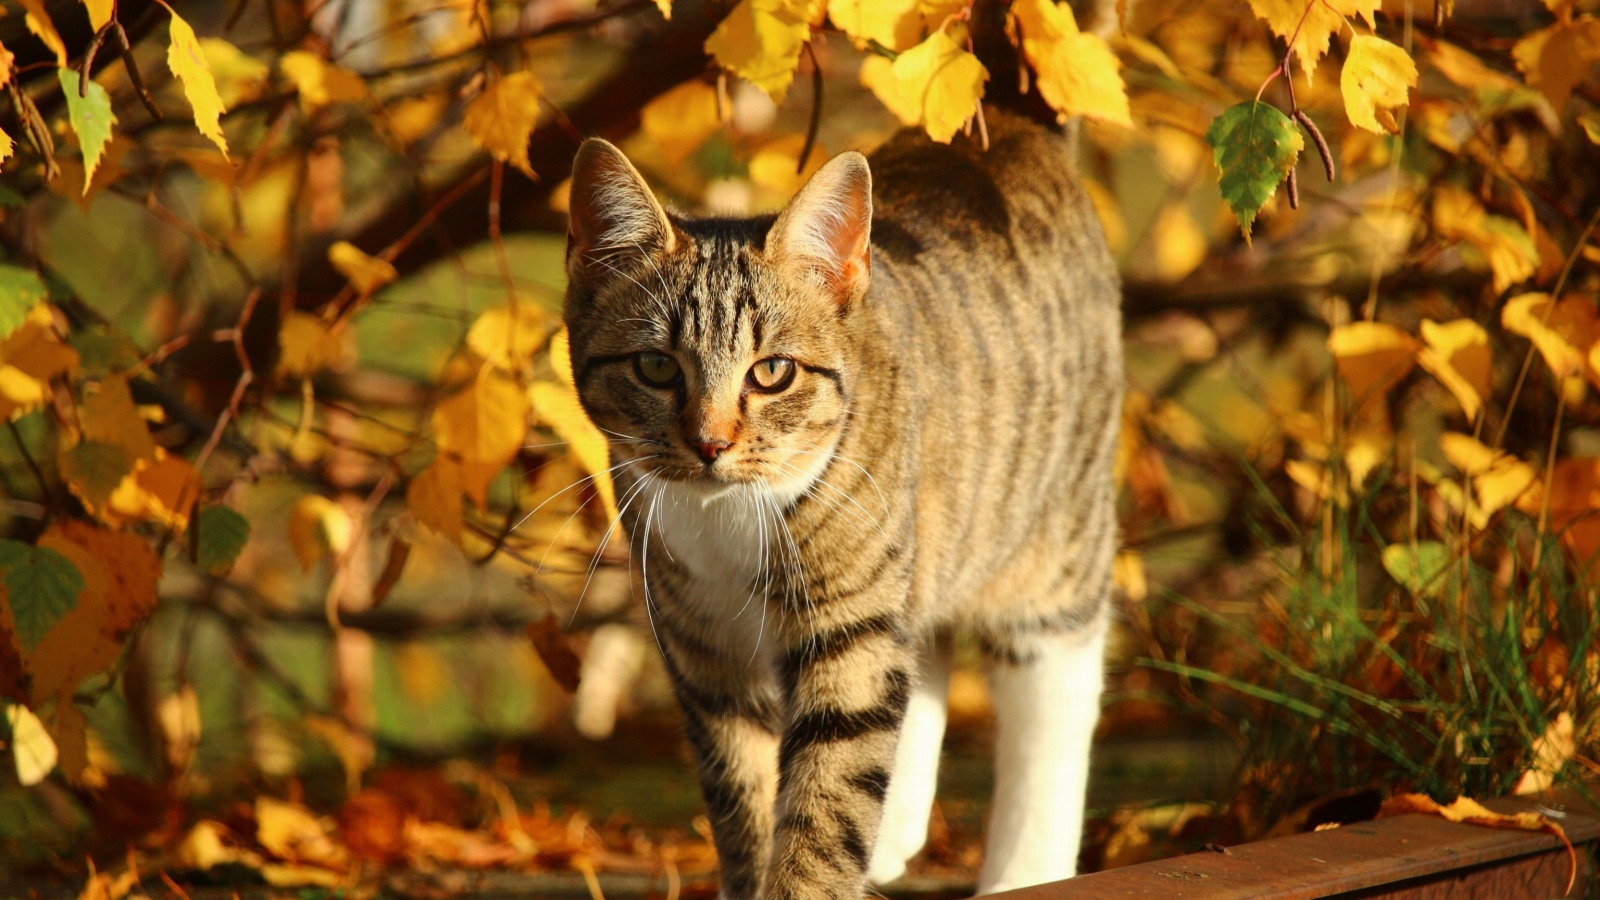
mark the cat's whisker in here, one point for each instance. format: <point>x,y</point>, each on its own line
<point>644,567</point>
<point>587,478</point>
<point>821,481</point>
<point>594,560</point>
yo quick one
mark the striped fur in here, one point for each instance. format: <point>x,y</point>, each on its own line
<point>939,464</point>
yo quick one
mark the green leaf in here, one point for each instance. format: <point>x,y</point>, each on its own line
<point>10,199</point>
<point>220,534</point>
<point>1255,147</point>
<point>1422,569</point>
<point>93,470</point>
<point>41,587</point>
<point>20,291</point>
<point>91,118</point>
<point>104,350</point>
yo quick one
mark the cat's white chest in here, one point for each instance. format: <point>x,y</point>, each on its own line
<point>719,542</point>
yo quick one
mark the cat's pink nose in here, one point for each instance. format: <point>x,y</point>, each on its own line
<point>710,450</point>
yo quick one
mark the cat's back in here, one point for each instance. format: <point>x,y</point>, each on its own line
<point>995,286</point>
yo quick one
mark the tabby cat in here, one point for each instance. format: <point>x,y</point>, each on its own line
<point>840,435</point>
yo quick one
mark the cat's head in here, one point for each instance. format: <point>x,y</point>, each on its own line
<point>717,351</point>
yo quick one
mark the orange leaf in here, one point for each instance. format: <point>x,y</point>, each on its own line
<point>1470,812</point>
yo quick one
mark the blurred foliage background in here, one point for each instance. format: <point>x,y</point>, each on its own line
<point>303,519</point>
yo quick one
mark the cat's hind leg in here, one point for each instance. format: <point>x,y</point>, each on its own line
<point>909,803</point>
<point>1046,693</point>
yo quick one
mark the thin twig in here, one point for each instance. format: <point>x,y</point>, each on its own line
<point>816,111</point>
<point>1316,136</point>
<point>22,447</point>
<point>134,77</point>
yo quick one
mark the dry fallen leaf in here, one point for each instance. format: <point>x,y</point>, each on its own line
<point>1470,812</point>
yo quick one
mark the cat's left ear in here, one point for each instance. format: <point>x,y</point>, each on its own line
<point>825,232</point>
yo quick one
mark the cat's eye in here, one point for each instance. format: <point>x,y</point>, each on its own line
<point>772,374</point>
<point>657,369</point>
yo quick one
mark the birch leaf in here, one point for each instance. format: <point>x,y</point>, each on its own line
<point>367,274</point>
<point>188,61</point>
<point>99,12</point>
<point>1255,146</point>
<point>1376,80</point>
<point>1457,353</point>
<point>41,586</point>
<point>943,81</point>
<point>91,119</point>
<point>37,20</point>
<point>1321,20</point>
<point>1554,60</point>
<point>20,291</point>
<point>760,41</point>
<point>484,425</point>
<point>320,82</point>
<point>501,118</point>
<point>895,24</point>
<point>1078,73</point>
<point>220,536</point>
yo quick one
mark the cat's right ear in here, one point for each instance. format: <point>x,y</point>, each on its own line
<point>611,211</point>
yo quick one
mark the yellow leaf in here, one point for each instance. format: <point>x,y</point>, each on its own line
<point>502,117</point>
<point>238,77</point>
<point>484,424</point>
<point>760,41</point>
<point>108,416</point>
<point>1457,353</point>
<point>292,833</point>
<point>1179,242</point>
<point>1589,121</point>
<point>178,719</point>
<point>434,497</point>
<point>1550,753</point>
<point>1554,60</point>
<point>1498,478</point>
<point>1127,573</point>
<point>1559,331</point>
<point>943,81</point>
<point>308,345</point>
<point>366,273</point>
<point>32,750</point>
<point>161,490</point>
<point>877,76</point>
<point>506,341</point>
<point>1078,73</point>
<point>773,166</point>
<point>1376,80</point>
<point>666,8</point>
<point>896,24</point>
<point>188,61</point>
<point>32,357</point>
<point>318,81</point>
<point>680,120</point>
<point>7,146</point>
<point>561,357</point>
<point>38,22</point>
<point>556,405</point>
<point>1509,251</point>
<point>1370,358</point>
<point>99,12</point>
<point>1321,18</point>
<point>317,524</point>
<point>1467,69</point>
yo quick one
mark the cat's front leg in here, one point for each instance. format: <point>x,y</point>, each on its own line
<point>733,723</point>
<point>848,680</point>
